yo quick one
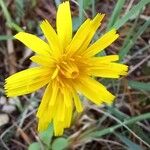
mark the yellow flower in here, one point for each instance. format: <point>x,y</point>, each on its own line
<point>67,66</point>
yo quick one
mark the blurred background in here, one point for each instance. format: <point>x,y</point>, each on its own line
<point>123,126</point>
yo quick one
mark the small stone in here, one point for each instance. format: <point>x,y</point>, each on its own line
<point>11,101</point>
<point>4,119</point>
<point>8,108</point>
<point>2,100</point>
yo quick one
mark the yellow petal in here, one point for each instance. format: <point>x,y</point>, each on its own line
<point>44,61</point>
<point>64,23</point>
<point>58,128</point>
<point>59,116</point>
<point>79,38</point>
<point>68,117</point>
<point>52,38</point>
<point>95,91</point>
<point>34,43</point>
<point>44,102</point>
<point>55,91</point>
<point>27,81</point>
<point>85,34</point>
<point>94,24</point>
<point>67,97</point>
<point>108,70</point>
<point>102,43</point>
<point>55,73</point>
<point>77,102</point>
<point>42,125</point>
<point>43,113</point>
<point>104,59</point>
<point>31,73</point>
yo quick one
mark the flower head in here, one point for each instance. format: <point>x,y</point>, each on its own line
<point>67,66</point>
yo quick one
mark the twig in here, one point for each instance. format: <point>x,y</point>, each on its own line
<point>11,54</point>
<point>138,65</point>
<point>129,6</point>
<point>108,141</point>
<point>3,143</point>
<point>19,143</point>
<point>137,53</point>
<point>23,135</point>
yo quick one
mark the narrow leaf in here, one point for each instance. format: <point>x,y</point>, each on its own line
<point>116,13</point>
<point>130,14</point>
<point>131,145</point>
<point>132,41</point>
<point>139,85</point>
<point>5,37</point>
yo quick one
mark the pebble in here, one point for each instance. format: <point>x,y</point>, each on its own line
<point>4,119</point>
<point>2,100</point>
<point>11,101</point>
<point>8,108</point>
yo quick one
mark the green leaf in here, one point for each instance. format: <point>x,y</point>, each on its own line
<point>131,145</point>
<point>46,136</point>
<point>136,14</point>
<point>116,13</point>
<point>59,144</point>
<point>81,9</point>
<point>93,8</point>
<point>7,15</point>
<point>143,135</point>
<point>87,3</point>
<point>5,11</point>
<point>34,146</point>
<point>76,23</point>
<point>139,85</point>
<point>123,52</point>
<point>130,14</point>
<point>20,5</point>
<point>5,37</point>
<point>16,27</point>
<point>115,112</point>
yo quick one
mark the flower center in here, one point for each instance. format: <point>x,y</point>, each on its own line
<point>66,68</point>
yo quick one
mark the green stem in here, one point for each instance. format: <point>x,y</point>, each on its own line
<point>113,128</point>
<point>6,13</point>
